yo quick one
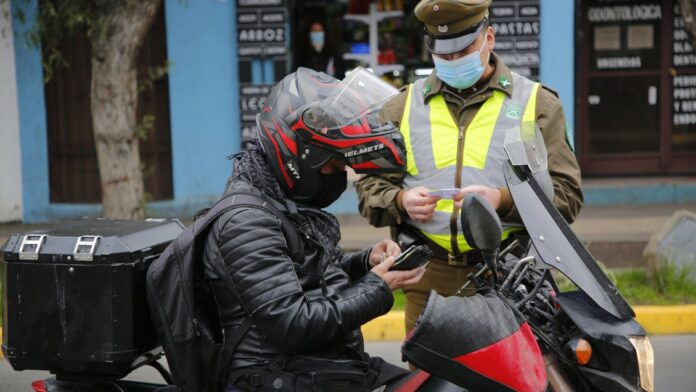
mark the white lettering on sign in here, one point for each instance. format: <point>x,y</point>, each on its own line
<point>619,62</point>
<point>274,50</point>
<point>364,150</point>
<point>626,13</point>
<point>684,119</point>
<point>679,35</point>
<point>525,45</point>
<point>249,51</point>
<point>273,18</point>
<point>529,11</point>
<point>503,11</point>
<point>503,45</point>
<point>682,47</point>
<point>256,90</point>
<point>252,104</point>
<point>684,93</point>
<point>259,3</point>
<point>516,28</point>
<point>526,72</point>
<point>684,60</point>
<point>262,35</point>
<point>520,59</point>
<point>246,18</point>
<point>684,81</point>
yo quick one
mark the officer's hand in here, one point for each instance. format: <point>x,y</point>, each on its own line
<point>397,279</point>
<point>382,250</point>
<point>419,206</point>
<point>492,195</point>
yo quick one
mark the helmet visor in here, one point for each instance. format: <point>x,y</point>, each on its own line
<point>352,107</point>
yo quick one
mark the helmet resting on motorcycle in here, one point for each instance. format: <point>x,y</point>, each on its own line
<point>310,117</point>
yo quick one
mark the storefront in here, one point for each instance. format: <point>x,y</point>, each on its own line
<point>383,36</point>
<point>636,89</point>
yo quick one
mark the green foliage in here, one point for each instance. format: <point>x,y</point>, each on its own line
<point>54,21</point>
<point>145,126</point>
<point>670,285</point>
<point>399,300</point>
<point>152,75</point>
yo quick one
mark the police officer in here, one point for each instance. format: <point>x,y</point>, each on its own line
<point>452,122</point>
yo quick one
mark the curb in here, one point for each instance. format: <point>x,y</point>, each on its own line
<point>656,320</point>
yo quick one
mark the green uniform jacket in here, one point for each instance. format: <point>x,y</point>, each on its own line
<point>378,193</point>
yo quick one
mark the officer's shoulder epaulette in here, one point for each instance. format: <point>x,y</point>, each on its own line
<point>549,89</point>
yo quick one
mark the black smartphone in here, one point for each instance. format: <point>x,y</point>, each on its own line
<point>413,257</point>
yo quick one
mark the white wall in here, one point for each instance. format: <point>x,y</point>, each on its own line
<point>10,162</point>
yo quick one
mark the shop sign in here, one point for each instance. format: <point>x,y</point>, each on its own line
<point>516,25</point>
<point>624,36</point>
<point>252,98</point>
<point>683,53</point>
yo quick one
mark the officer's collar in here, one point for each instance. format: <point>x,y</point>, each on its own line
<point>501,80</point>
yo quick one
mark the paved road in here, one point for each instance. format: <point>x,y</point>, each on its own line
<point>675,367</point>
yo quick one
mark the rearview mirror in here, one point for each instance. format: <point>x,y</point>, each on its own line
<point>480,224</point>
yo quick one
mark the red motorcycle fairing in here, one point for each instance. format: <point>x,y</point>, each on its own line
<point>479,343</point>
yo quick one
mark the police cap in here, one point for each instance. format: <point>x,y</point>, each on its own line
<point>452,25</point>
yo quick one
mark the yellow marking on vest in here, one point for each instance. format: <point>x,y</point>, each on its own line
<point>405,130</point>
<point>443,240</point>
<point>480,131</point>
<point>444,133</point>
<point>530,111</point>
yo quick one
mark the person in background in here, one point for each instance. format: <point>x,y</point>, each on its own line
<point>453,123</point>
<point>320,53</point>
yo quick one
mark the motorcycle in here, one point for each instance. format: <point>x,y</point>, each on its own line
<point>519,332</point>
<point>586,339</point>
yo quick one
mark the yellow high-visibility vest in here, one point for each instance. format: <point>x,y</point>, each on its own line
<point>431,136</point>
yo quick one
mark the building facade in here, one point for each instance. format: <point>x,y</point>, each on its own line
<point>223,56</point>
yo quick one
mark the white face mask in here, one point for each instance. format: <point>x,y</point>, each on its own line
<point>317,40</point>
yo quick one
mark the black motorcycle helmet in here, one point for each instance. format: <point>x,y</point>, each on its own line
<point>310,117</point>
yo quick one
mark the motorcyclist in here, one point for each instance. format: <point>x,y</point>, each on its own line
<point>307,313</point>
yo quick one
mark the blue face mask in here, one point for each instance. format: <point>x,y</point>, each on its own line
<point>317,38</point>
<point>463,72</point>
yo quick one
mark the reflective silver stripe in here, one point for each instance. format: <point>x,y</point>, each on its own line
<point>420,129</point>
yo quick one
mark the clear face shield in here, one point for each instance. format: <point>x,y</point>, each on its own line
<point>350,111</point>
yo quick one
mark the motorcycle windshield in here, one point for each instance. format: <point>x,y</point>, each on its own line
<point>555,242</point>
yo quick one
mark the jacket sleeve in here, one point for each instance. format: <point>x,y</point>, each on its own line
<point>255,254</point>
<point>355,264</point>
<point>563,166</point>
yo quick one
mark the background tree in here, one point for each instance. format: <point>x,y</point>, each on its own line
<point>688,11</point>
<point>116,29</point>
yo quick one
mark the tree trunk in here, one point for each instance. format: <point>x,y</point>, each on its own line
<point>688,12</point>
<point>114,89</point>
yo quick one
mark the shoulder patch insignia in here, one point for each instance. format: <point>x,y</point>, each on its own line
<point>504,82</point>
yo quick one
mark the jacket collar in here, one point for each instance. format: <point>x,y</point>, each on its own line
<point>500,80</point>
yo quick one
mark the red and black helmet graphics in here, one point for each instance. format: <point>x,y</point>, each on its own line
<point>311,117</point>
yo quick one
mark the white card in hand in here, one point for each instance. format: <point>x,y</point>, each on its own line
<point>447,193</point>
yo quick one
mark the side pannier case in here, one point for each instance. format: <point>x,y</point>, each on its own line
<point>74,301</point>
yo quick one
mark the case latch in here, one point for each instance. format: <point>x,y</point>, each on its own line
<point>30,247</point>
<point>84,248</point>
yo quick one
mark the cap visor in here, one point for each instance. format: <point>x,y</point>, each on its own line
<point>451,45</point>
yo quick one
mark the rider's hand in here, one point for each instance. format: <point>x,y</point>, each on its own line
<point>492,195</point>
<point>418,205</point>
<point>397,279</point>
<point>382,250</point>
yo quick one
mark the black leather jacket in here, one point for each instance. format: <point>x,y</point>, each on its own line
<point>292,313</point>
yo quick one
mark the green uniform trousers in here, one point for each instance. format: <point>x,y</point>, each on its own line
<point>439,276</point>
